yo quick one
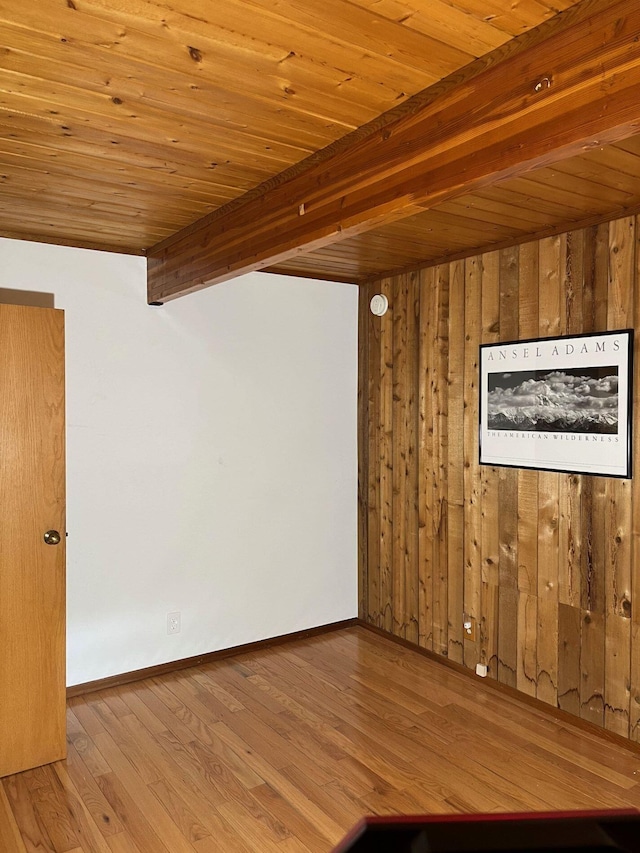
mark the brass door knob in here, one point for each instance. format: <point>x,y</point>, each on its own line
<point>52,537</point>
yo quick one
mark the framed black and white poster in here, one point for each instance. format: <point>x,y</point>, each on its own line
<point>558,404</point>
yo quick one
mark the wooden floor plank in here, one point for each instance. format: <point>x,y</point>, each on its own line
<point>54,810</point>
<point>300,827</point>
<point>75,775</point>
<point>284,749</point>
<point>10,836</point>
<point>85,825</point>
<point>123,844</point>
<point>141,830</point>
<point>178,810</point>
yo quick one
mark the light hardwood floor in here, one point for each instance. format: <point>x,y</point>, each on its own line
<point>286,748</point>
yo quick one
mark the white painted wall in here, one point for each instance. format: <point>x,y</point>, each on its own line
<point>211,459</point>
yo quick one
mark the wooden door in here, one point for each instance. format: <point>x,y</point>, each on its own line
<point>32,573</point>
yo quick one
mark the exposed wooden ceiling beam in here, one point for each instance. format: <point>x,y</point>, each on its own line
<point>575,89</point>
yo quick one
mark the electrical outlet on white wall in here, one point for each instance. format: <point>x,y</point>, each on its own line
<point>173,622</point>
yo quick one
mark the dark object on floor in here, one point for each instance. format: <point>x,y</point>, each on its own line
<point>577,832</point>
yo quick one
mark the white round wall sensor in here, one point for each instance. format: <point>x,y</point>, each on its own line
<point>379,304</point>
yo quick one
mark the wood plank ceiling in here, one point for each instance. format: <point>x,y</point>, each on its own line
<point>576,192</point>
<point>123,122</point>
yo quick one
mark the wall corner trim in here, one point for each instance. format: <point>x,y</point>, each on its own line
<point>517,695</point>
<point>207,657</point>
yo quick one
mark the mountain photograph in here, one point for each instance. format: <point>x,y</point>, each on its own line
<point>580,400</point>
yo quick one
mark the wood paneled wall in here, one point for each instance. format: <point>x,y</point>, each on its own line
<point>547,564</point>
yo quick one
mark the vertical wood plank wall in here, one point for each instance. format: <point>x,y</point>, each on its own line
<point>547,564</point>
